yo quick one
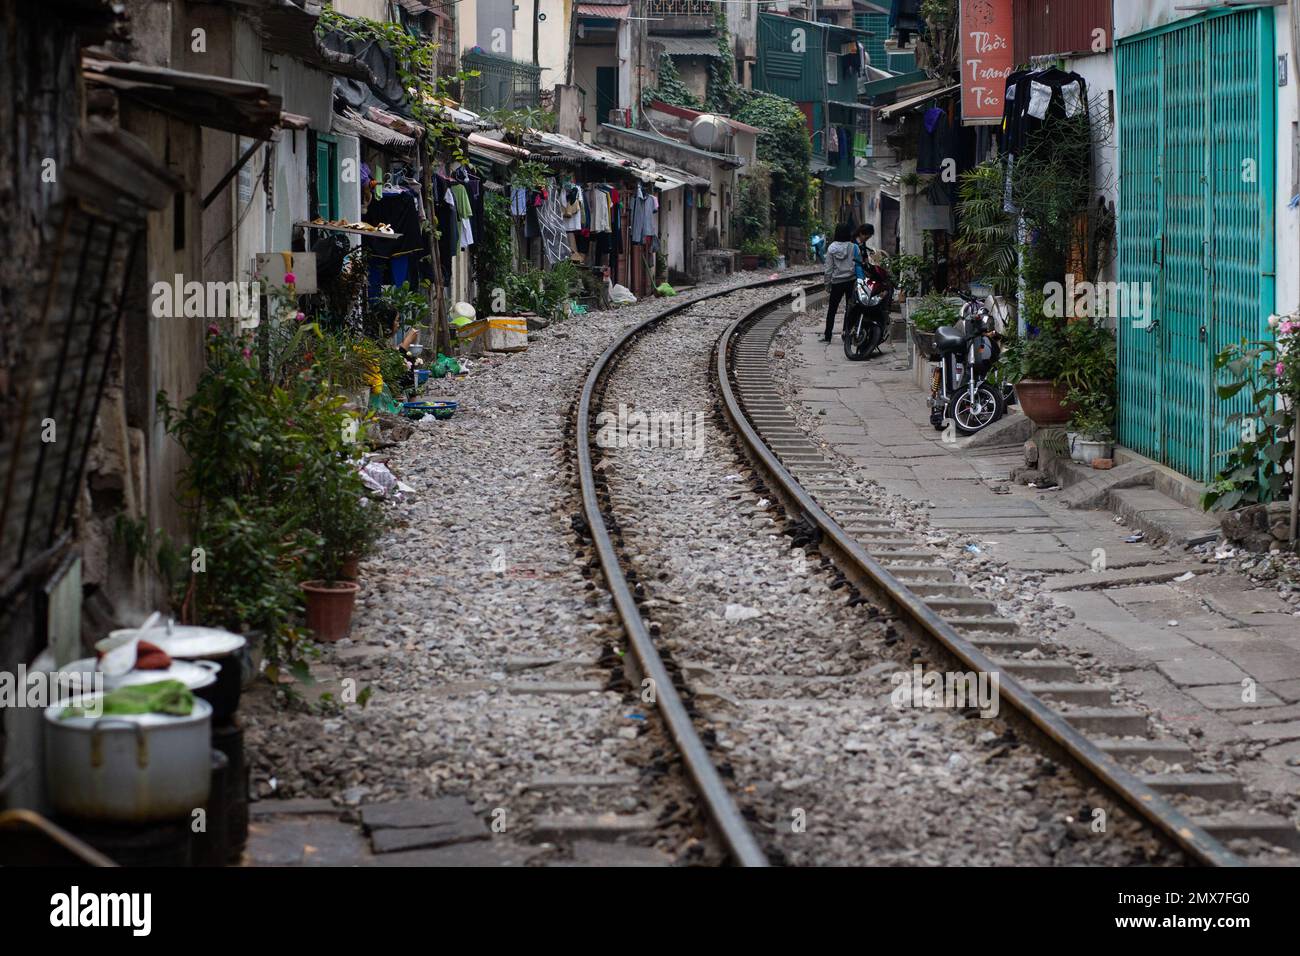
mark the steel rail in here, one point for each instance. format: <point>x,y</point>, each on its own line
<point>733,830</point>
<point>1132,792</point>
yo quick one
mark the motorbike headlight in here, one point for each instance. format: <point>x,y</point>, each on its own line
<point>873,301</point>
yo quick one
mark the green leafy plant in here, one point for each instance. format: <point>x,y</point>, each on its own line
<point>1093,416</point>
<point>908,271</point>
<point>986,231</point>
<point>530,174</point>
<point>264,455</point>
<point>765,249</point>
<point>1268,374</point>
<point>494,259</point>
<point>934,311</point>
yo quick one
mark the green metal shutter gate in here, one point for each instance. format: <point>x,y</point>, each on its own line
<point>1196,154</point>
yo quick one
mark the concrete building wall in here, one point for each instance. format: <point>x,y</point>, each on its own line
<point>1288,168</point>
<point>552,37</point>
<point>587,59</point>
<point>672,233</point>
<point>370,9</point>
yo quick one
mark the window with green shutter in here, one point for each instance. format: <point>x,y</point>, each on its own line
<point>327,177</point>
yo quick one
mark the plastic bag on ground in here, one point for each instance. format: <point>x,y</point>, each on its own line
<point>621,295</point>
<point>665,289</point>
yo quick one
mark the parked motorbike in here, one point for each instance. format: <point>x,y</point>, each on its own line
<point>868,320</point>
<point>968,353</point>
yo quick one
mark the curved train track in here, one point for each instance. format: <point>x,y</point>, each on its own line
<point>892,572</point>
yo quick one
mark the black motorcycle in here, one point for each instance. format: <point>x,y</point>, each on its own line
<point>868,319</point>
<point>968,352</point>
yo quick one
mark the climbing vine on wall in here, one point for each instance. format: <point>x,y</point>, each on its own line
<point>672,90</point>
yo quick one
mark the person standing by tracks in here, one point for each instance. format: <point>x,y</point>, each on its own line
<point>842,259</point>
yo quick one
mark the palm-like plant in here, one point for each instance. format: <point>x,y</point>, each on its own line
<point>986,231</point>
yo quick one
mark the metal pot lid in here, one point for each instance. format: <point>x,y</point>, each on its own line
<point>120,722</point>
<point>193,676</point>
<point>181,640</point>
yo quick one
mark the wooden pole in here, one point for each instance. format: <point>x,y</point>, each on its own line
<point>437,300</point>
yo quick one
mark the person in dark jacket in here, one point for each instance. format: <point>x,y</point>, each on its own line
<point>842,259</point>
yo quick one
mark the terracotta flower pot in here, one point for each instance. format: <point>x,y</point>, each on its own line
<point>749,263</point>
<point>1043,402</point>
<point>351,568</point>
<point>329,608</point>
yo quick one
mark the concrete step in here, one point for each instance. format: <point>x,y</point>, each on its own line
<point>910,573</point>
<point>1162,518</point>
<point>1085,695</point>
<point>1241,825</point>
<point>1006,643</point>
<point>994,625</point>
<point>1137,750</point>
<point>1209,786</point>
<point>964,607</point>
<point>1110,721</point>
<point>593,826</point>
<point>1040,670</point>
<point>932,589</point>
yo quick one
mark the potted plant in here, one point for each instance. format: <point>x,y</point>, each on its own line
<point>925,319</point>
<point>1033,364</point>
<point>756,252</point>
<point>333,505</point>
<point>1090,426</point>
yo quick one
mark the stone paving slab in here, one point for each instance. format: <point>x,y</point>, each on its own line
<point>441,811</point>
<point>305,841</point>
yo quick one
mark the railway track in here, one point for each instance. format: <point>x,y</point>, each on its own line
<point>893,581</point>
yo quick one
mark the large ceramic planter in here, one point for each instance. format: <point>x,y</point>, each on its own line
<point>749,263</point>
<point>1042,402</point>
<point>329,608</point>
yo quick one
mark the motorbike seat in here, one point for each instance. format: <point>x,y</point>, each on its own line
<point>949,339</point>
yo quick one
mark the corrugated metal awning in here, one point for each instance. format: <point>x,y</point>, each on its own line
<point>501,151</point>
<point>689,46</point>
<point>612,11</point>
<point>349,121</point>
<point>920,99</point>
<point>233,106</point>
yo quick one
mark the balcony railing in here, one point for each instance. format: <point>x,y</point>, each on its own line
<point>680,16</point>
<point>502,83</point>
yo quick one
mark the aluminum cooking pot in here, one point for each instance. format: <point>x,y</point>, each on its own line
<point>192,643</point>
<point>130,768</point>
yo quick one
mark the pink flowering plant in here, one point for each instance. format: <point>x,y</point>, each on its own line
<point>1267,375</point>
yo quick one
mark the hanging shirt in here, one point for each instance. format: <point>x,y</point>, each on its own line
<point>458,196</point>
<point>571,208</point>
<point>598,209</point>
<point>518,202</point>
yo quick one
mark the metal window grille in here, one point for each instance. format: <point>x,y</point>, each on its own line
<point>502,83</point>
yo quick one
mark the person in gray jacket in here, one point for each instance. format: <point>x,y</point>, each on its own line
<point>842,259</point>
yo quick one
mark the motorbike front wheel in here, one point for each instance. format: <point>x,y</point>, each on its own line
<point>972,415</point>
<point>855,341</point>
